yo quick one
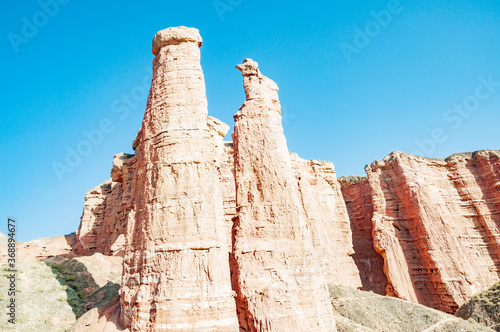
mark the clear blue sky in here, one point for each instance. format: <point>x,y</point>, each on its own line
<point>347,97</point>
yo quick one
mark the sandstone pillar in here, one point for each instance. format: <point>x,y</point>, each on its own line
<point>176,270</point>
<point>275,275</point>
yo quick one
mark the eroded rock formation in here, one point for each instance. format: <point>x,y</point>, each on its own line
<point>370,264</point>
<point>176,270</point>
<point>187,210</point>
<point>102,226</point>
<point>435,223</point>
<point>275,273</point>
<point>327,219</point>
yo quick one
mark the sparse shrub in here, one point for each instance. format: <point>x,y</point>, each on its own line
<point>73,285</point>
<point>69,278</point>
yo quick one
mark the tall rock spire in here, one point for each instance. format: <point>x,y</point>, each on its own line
<point>176,272</point>
<point>275,275</point>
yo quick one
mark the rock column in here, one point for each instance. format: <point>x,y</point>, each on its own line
<point>275,274</point>
<point>176,271</point>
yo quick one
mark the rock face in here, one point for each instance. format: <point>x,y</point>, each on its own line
<point>43,248</point>
<point>274,271</point>
<point>357,195</point>
<point>176,270</point>
<point>105,318</point>
<point>436,224</point>
<point>228,189</point>
<point>327,219</point>
<point>102,226</point>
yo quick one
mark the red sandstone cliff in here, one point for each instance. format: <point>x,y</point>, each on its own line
<point>370,264</point>
<point>327,219</point>
<point>102,227</point>
<point>434,222</point>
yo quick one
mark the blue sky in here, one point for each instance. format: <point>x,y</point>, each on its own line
<point>355,84</point>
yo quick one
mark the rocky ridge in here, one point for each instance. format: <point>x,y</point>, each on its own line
<point>434,222</point>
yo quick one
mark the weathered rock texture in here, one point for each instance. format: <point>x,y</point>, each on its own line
<point>43,248</point>
<point>105,318</point>
<point>102,226</point>
<point>358,199</point>
<point>276,278</point>
<point>327,219</point>
<point>435,223</point>
<point>228,189</point>
<point>187,203</point>
<point>176,270</point>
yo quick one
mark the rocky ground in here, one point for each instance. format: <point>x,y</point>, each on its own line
<point>53,293</point>
<point>359,311</point>
<point>483,308</point>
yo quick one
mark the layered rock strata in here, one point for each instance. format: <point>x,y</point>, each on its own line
<point>228,189</point>
<point>327,219</point>
<point>436,224</point>
<point>370,264</point>
<point>176,270</point>
<point>102,226</point>
<point>40,249</point>
<point>277,281</point>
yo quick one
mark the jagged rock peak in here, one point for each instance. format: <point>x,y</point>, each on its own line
<point>274,265</point>
<point>175,35</point>
<point>396,156</point>
<point>257,86</point>
<point>249,67</point>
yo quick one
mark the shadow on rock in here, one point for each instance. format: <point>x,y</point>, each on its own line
<point>79,283</point>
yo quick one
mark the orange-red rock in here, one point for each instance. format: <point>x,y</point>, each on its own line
<point>105,319</point>
<point>102,226</point>
<point>436,223</point>
<point>43,248</point>
<point>228,187</point>
<point>176,270</point>
<point>327,219</point>
<point>425,230</point>
<point>275,273</point>
<point>358,199</point>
